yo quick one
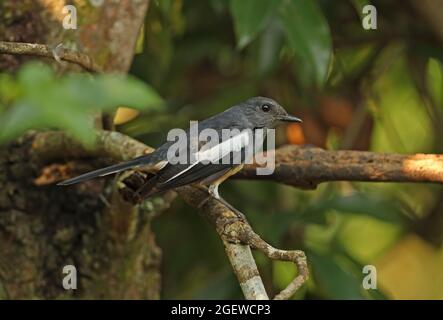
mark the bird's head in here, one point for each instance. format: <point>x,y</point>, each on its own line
<point>266,113</point>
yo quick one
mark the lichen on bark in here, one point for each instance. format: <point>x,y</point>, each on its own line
<point>43,228</point>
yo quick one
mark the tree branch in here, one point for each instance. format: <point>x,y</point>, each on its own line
<point>32,49</point>
<point>306,167</point>
<point>245,268</point>
<point>294,165</point>
<point>238,237</point>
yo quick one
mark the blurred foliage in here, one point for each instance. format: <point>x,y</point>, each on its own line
<point>379,90</point>
<point>36,98</point>
<point>308,36</point>
<point>250,17</point>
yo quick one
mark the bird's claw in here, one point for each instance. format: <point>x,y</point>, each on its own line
<point>57,51</point>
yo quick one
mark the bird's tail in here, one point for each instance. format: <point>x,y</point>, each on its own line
<point>105,171</point>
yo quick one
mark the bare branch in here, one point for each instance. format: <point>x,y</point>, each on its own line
<point>305,167</point>
<point>229,227</point>
<point>50,146</point>
<point>235,233</point>
<point>296,256</point>
<point>32,49</point>
<point>294,165</point>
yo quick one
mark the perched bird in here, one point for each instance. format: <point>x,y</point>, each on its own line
<point>255,113</point>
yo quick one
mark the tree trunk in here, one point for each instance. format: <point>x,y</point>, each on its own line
<point>43,229</point>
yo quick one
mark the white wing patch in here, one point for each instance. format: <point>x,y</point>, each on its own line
<point>218,152</point>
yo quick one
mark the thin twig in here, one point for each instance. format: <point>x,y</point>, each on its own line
<point>41,50</point>
<point>242,231</point>
<point>296,256</point>
<point>230,228</point>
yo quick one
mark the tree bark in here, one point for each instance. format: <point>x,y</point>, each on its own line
<point>306,167</point>
<point>42,229</point>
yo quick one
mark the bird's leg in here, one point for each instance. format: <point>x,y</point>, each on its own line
<point>204,188</point>
<point>213,191</point>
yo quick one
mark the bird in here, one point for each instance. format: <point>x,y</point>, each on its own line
<point>252,114</point>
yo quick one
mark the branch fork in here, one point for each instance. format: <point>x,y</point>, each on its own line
<point>238,238</point>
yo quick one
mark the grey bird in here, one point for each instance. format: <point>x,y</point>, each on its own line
<point>255,113</point>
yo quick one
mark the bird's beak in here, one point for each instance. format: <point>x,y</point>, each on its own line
<point>289,118</point>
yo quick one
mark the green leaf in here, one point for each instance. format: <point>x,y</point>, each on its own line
<point>376,294</point>
<point>9,90</point>
<point>43,100</point>
<point>309,38</point>
<point>334,280</point>
<point>365,238</point>
<point>357,203</point>
<point>250,17</point>
<point>19,118</point>
<point>283,272</point>
<point>271,43</point>
<point>127,91</point>
<point>34,76</point>
<point>382,209</point>
<point>395,130</point>
<point>434,81</point>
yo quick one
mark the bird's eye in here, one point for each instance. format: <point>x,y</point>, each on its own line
<point>266,108</point>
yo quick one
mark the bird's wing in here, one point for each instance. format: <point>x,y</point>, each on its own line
<point>209,161</point>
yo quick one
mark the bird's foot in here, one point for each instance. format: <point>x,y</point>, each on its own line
<point>213,191</point>
<point>237,212</point>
